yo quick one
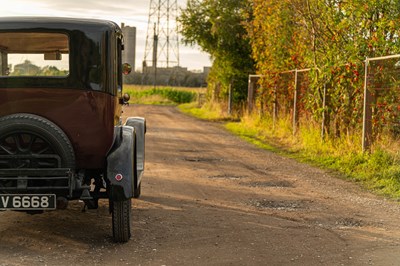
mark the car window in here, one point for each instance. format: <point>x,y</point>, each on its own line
<point>34,54</point>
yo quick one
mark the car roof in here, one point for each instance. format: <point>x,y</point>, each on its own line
<point>11,27</point>
<point>54,23</point>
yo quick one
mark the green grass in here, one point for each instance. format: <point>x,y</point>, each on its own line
<point>160,95</point>
<point>208,111</point>
<point>378,171</point>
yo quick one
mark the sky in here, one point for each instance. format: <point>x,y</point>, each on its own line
<point>131,12</point>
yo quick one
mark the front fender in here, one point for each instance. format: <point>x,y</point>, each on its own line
<point>139,124</point>
<point>121,163</point>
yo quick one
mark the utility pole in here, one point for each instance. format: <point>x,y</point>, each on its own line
<point>155,46</point>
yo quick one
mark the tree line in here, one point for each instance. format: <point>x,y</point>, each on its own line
<point>331,37</point>
<point>27,68</point>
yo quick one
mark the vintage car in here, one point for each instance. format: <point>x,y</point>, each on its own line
<point>61,134</point>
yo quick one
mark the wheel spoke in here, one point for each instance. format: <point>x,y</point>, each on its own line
<point>32,140</point>
<point>27,145</point>
<point>6,150</point>
<point>43,150</point>
<point>16,142</point>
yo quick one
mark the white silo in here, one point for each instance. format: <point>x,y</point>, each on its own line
<point>129,53</point>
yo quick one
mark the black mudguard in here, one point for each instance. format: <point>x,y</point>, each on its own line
<point>121,164</point>
<point>139,123</point>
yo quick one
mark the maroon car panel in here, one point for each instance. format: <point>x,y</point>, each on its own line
<point>87,117</point>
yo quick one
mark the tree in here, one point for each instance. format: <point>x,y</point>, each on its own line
<point>277,42</point>
<point>333,37</point>
<point>344,33</point>
<point>217,26</point>
<point>52,71</point>
<point>26,69</point>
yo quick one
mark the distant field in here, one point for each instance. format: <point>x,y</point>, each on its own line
<point>162,95</point>
<point>131,87</point>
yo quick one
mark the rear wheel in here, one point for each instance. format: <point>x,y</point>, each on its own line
<point>121,220</point>
<point>29,141</point>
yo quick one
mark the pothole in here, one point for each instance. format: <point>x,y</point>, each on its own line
<point>349,222</point>
<point>188,151</point>
<point>232,177</point>
<point>197,159</point>
<point>285,205</point>
<point>275,184</point>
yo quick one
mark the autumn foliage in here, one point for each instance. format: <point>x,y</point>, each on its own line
<point>331,37</point>
<point>271,37</point>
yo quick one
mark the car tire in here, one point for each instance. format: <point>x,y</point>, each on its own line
<point>34,135</point>
<point>121,220</point>
<point>137,191</point>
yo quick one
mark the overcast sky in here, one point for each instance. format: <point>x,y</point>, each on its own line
<point>131,12</point>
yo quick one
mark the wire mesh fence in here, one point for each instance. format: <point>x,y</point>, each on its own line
<point>381,99</point>
<point>288,97</point>
<point>338,103</point>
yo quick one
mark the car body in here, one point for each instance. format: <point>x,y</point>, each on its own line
<point>61,132</point>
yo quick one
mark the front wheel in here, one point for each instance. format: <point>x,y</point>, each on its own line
<point>121,220</point>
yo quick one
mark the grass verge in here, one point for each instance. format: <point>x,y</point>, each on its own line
<point>161,95</point>
<point>208,111</point>
<point>378,171</point>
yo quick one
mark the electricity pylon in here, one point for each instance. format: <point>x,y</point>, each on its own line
<point>162,42</point>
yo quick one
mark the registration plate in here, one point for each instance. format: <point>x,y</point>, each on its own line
<point>27,201</point>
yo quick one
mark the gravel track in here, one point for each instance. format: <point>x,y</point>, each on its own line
<point>209,198</point>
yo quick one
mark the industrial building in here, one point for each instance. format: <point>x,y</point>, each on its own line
<point>129,53</point>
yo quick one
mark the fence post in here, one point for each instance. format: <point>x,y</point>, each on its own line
<point>201,99</point>
<point>367,115</point>
<point>323,126</point>
<point>230,98</point>
<point>250,95</point>
<point>275,107</point>
<point>295,99</point>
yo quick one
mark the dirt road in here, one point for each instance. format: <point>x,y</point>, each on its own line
<point>209,198</point>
